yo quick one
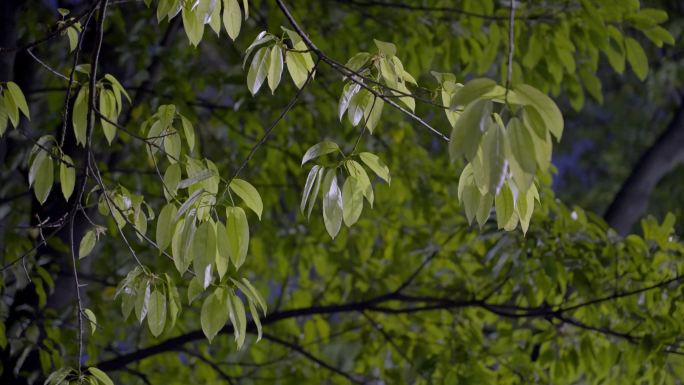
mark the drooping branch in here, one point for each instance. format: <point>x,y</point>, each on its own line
<point>354,76</point>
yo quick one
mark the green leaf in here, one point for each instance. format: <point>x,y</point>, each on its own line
<point>41,175</point>
<point>142,299</point>
<point>521,156</point>
<point>314,192</point>
<point>222,250</point>
<point>332,204</point>
<point>659,35</point>
<point>72,35</point>
<point>471,201</point>
<point>357,171</point>
<point>174,305</point>
<point>196,178</point>
<point>189,132</point>
<point>101,376</point>
<point>258,70</point>
<point>172,176</point>
<point>296,66</point>
<point>165,225</point>
<point>18,98</point>
<point>504,205</point>
<point>357,103</point>
<point>92,319</point>
<point>372,112</point>
<point>194,29</point>
<point>204,252</point>
<point>310,180</point>
<point>636,58</point>
<point>377,165</point>
<point>483,209</point>
<point>79,115</point>
<point>385,48</point>
<point>494,159</point>
<point>238,235</point>
<point>156,316</point>
<point>108,109</point>
<point>319,149</point>
<point>240,324</point>
<point>248,194</point>
<point>471,91</point>
<point>87,243</point>
<point>172,146</point>
<point>182,235</point>
<point>11,109</point>
<point>352,201</point>
<point>525,206</point>
<point>3,117</point>
<point>67,176</point>
<point>195,288</point>
<point>245,6</point>
<point>275,67</point>
<point>255,318</point>
<point>214,314</point>
<point>547,109</point>
<point>231,18</point>
<point>467,132</point>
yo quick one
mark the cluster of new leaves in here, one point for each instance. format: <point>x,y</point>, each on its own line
<point>374,75</point>
<point>65,376</point>
<point>558,47</point>
<point>72,30</point>
<point>42,169</point>
<point>198,13</point>
<point>345,204</point>
<point>503,157</point>
<point>110,95</point>
<point>270,54</point>
<point>12,101</point>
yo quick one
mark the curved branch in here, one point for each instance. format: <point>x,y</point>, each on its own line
<point>661,158</point>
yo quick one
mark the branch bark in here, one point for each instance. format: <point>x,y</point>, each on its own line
<point>661,158</point>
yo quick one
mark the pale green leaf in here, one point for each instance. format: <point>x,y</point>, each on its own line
<point>101,376</point>
<point>222,250</point>
<point>547,109</point>
<point>18,98</point>
<point>494,158</point>
<point>79,115</point>
<point>504,205</point>
<point>636,57</point>
<point>467,132</point>
<point>471,91</point>
<point>238,235</point>
<point>377,165</point>
<point>248,194</point>
<point>165,226</point>
<point>231,18</point>
<point>67,176</point>
<point>204,252</point>
<point>156,315</point>
<point>385,48</point>
<point>87,243</point>
<point>92,320</point>
<point>214,314</point>
<point>332,204</point>
<point>258,70</point>
<point>275,67</point>
<point>352,201</point>
<point>319,149</point>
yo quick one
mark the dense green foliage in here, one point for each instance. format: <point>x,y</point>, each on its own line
<point>354,191</point>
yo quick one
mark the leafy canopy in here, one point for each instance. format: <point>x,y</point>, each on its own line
<point>230,218</point>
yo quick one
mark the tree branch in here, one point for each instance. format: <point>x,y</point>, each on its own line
<point>661,158</point>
